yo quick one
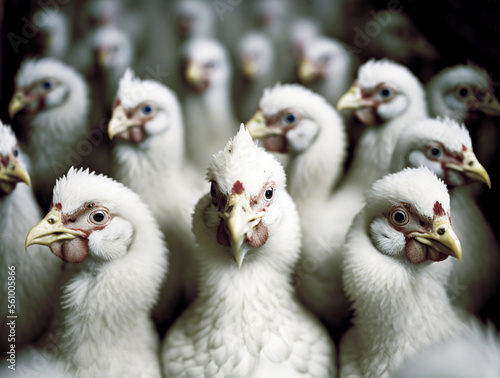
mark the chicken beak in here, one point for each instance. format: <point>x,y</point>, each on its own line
<point>17,103</point>
<point>490,105</point>
<point>194,73</point>
<point>13,173</point>
<point>248,69</point>
<point>103,57</point>
<point>442,238</point>
<point>423,49</point>
<point>307,71</point>
<point>352,99</point>
<point>240,221</point>
<point>472,168</point>
<point>256,126</point>
<point>50,230</point>
<point>119,122</point>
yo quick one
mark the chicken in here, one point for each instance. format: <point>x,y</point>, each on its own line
<point>301,31</point>
<point>194,18</point>
<point>445,147</point>
<point>461,92</point>
<point>30,283</point>
<point>327,67</point>
<point>297,122</point>
<point>257,64</point>
<point>246,321</point>
<point>105,327</point>
<point>395,274</point>
<point>473,354</point>
<point>208,106</point>
<point>52,105</point>
<point>54,34</point>
<point>385,92</point>
<point>150,159</point>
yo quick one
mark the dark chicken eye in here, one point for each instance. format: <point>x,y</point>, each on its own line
<point>385,93</point>
<point>147,109</point>
<point>98,217</point>
<point>269,193</point>
<point>16,152</point>
<point>46,85</point>
<point>434,152</point>
<point>463,92</point>
<point>290,118</point>
<point>399,217</point>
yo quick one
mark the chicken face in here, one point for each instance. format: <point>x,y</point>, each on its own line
<point>205,64</point>
<point>256,54</point>
<point>473,99</point>
<point>374,105</point>
<point>77,228</point>
<point>323,58</point>
<point>45,93</point>
<point>412,221</point>
<point>11,168</point>
<point>131,124</point>
<point>112,48</point>
<point>443,146</point>
<point>243,207</point>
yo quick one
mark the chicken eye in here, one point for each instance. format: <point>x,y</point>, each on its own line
<point>98,217</point>
<point>147,109</point>
<point>16,152</point>
<point>290,118</point>
<point>385,93</point>
<point>399,217</point>
<point>211,64</point>
<point>463,92</point>
<point>269,193</point>
<point>325,59</point>
<point>434,152</point>
<point>46,85</point>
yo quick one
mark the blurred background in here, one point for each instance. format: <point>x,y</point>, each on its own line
<point>425,36</point>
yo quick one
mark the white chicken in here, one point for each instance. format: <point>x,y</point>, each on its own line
<point>150,159</point>
<point>445,147</point>
<point>461,92</point>
<point>257,63</point>
<point>387,96</point>
<point>395,273</point>
<point>299,123</point>
<point>208,106</point>
<point>246,321</point>
<point>29,282</point>
<point>53,105</point>
<point>54,33</point>
<point>472,354</point>
<point>105,327</point>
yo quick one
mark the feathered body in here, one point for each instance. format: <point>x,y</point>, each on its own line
<point>208,107</point>
<point>445,147</point>
<point>54,120</point>
<point>105,323</point>
<point>299,123</point>
<point>31,280</point>
<point>400,305</point>
<point>246,322</point>
<point>155,167</point>
<point>472,354</point>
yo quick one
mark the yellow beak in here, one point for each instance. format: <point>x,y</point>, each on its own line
<point>472,168</point>
<point>240,221</point>
<point>119,122</point>
<point>248,69</point>
<point>103,57</point>
<point>257,126</point>
<point>352,99</point>
<point>307,71</point>
<point>50,230</point>
<point>14,173</point>
<point>490,105</point>
<point>194,73</point>
<point>442,238</point>
<point>17,103</point>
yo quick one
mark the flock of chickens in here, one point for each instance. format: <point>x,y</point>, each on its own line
<point>228,189</point>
